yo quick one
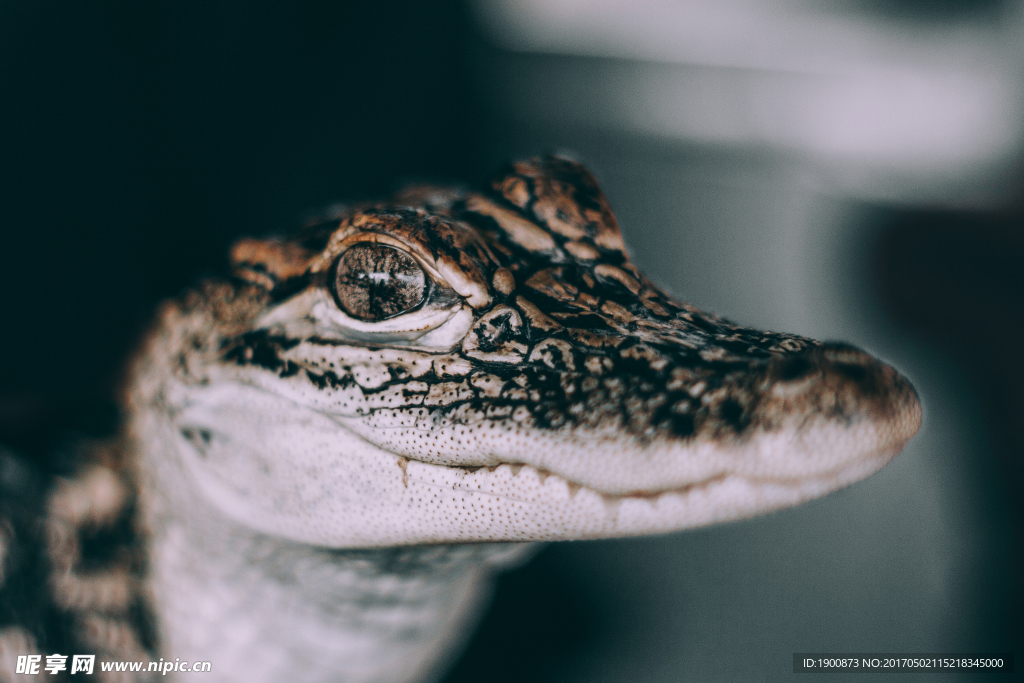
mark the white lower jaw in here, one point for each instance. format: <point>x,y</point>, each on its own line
<point>284,470</point>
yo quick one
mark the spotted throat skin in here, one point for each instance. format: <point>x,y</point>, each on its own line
<point>315,459</point>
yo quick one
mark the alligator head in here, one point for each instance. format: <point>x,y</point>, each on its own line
<point>457,366</point>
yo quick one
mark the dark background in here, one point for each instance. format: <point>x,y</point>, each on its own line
<point>136,142</point>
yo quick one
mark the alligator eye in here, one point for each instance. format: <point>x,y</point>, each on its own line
<point>375,282</point>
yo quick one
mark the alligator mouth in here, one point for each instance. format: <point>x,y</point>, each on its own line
<point>557,508</point>
<point>515,501</point>
<point>480,479</point>
<point>820,449</point>
<point>827,452</point>
<point>284,465</point>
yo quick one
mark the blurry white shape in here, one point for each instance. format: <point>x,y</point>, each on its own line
<point>910,118</point>
<point>918,117</point>
<point>872,97</point>
<point>753,34</point>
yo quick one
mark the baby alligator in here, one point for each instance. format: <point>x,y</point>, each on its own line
<point>329,455</point>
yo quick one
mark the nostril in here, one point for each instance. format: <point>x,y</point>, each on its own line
<point>793,375</point>
<point>857,376</point>
<point>792,368</point>
<point>856,373</point>
<point>850,363</point>
<point>829,367</point>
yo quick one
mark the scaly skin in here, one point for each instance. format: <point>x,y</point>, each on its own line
<point>310,480</point>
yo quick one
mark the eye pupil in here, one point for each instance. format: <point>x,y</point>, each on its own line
<point>376,282</point>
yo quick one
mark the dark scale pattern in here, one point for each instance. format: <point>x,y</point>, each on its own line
<point>575,335</point>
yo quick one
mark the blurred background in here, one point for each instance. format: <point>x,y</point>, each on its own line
<point>842,169</point>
